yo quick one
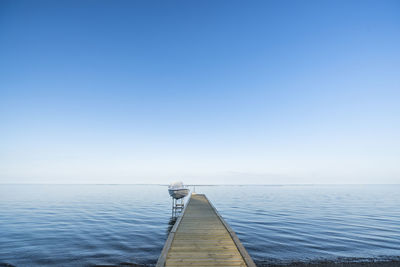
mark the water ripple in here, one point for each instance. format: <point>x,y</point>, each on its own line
<point>88,225</point>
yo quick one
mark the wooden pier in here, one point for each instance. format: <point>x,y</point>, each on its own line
<point>201,237</point>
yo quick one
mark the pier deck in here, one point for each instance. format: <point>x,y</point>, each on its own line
<point>200,237</point>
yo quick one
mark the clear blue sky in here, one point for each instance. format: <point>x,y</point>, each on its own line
<point>268,92</point>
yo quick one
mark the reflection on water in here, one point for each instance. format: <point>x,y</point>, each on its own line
<point>69,225</point>
<point>171,223</point>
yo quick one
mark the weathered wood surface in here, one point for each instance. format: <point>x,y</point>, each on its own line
<point>200,237</point>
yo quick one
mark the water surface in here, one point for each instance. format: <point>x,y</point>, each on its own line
<point>82,225</point>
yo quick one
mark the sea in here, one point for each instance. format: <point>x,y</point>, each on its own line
<point>88,225</point>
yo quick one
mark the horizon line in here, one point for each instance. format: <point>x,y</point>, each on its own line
<point>162,184</point>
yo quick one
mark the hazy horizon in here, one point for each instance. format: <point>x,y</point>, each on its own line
<point>226,92</point>
<point>204,184</point>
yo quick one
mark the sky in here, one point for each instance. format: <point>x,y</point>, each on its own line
<point>207,92</point>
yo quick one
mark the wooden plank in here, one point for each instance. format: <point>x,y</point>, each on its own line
<point>249,261</point>
<point>200,237</point>
<point>167,245</point>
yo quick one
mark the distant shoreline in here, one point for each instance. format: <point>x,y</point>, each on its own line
<point>322,263</point>
<point>272,185</point>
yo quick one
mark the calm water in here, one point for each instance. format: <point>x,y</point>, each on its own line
<point>80,225</point>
